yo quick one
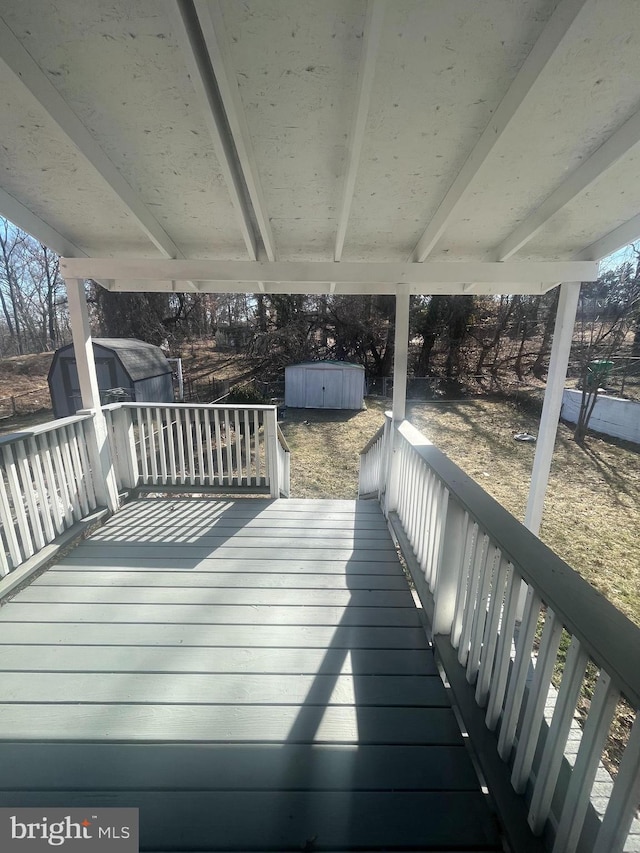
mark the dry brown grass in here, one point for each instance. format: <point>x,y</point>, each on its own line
<point>325,449</point>
<point>592,507</point>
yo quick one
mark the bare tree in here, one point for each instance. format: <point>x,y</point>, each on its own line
<point>32,301</point>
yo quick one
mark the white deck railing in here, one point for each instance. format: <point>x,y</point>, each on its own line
<point>373,458</point>
<point>197,447</point>
<point>284,466</point>
<point>46,486</point>
<point>471,559</point>
<point>50,475</point>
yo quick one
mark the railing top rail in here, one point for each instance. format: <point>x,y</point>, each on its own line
<point>608,636</point>
<point>282,441</point>
<point>372,440</point>
<point>110,407</point>
<point>39,429</point>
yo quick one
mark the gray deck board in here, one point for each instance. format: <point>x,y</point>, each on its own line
<point>207,614</point>
<point>252,659</point>
<point>256,563</point>
<point>223,636</point>
<point>285,550</point>
<point>278,529</point>
<point>118,578</point>
<point>384,598</point>
<point>192,767</point>
<point>224,723</point>
<point>301,820</point>
<point>234,689</point>
<point>251,674</point>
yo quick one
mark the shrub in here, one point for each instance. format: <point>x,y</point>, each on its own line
<point>245,393</point>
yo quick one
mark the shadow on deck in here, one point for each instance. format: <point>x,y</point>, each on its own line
<point>251,675</point>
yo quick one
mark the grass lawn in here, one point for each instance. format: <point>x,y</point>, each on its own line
<point>592,510</point>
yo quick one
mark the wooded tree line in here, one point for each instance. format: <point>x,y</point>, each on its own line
<point>453,337</point>
<point>33,316</point>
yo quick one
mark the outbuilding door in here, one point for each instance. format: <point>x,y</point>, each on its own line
<point>323,388</point>
<point>105,370</point>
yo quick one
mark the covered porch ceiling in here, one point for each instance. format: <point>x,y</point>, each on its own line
<point>338,146</point>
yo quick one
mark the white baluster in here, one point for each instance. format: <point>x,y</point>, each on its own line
<point>515,692</point>
<point>577,798</point>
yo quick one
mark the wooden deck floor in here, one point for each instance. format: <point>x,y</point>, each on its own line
<point>250,674</point>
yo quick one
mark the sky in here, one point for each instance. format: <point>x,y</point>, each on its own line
<point>617,258</point>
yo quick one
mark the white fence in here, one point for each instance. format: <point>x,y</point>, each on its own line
<point>611,415</point>
<point>46,486</point>
<point>470,558</point>
<point>198,447</point>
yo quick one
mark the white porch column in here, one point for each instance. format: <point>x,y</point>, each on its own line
<point>401,352</point>
<point>99,450</point>
<point>82,345</point>
<point>400,357</point>
<point>556,377</point>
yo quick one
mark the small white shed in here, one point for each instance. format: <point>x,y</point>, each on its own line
<point>324,385</point>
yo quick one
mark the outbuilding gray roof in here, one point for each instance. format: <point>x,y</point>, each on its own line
<point>328,363</point>
<point>139,359</point>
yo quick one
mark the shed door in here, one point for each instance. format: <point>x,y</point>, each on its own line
<point>105,370</point>
<point>323,389</point>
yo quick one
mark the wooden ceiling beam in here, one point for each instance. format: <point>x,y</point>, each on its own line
<point>282,273</point>
<point>534,65</point>
<point>24,69</point>
<point>217,43</point>
<point>622,236</point>
<point>617,146</point>
<point>371,39</point>
<point>200,70</point>
<point>16,212</point>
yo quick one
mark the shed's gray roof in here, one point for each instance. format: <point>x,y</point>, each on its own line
<point>140,359</point>
<point>328,363</point>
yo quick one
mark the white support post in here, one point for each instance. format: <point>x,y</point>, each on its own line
<point>383,483</point>
<point>82,344</point>
<point>401,352</point>
<point>400,357</point>
<point>448,574</point>
<point>126,447</point>
<point>105,484</point>
<point>556,378</point>
<point>271,440</point>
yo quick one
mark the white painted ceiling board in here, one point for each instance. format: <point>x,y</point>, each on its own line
<point>584,95</point>
<point>296,67</point>
<point>121,71</point>
<point>36,155</point>
<point>614,196</point>
<point>440,72</point>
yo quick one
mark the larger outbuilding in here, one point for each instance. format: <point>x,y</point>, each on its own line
<point>324,385</point>
<point>128,370</point>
